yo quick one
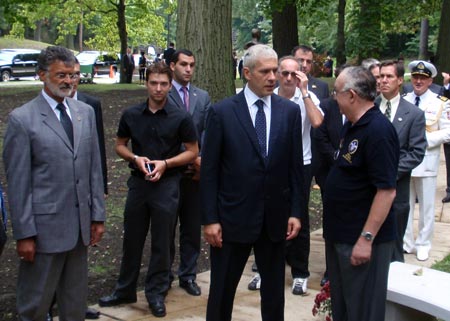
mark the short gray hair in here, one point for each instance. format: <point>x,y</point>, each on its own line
<point>361,81</point>
<point>289,57</point>
<point>256,52</point>
<point>55,53</point>
<point>370,63</point>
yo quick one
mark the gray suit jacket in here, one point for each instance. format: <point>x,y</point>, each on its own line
<point>199,103</point>
<point>409,123</point>
<point>55,190</point>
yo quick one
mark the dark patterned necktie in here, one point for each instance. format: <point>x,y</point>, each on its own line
<point>260,127</point>
<point>65,121</point>
<point>417,101</point>
<point>387,113</point>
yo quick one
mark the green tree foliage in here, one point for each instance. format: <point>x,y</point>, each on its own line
<point>144,20</point>
<point>443,48</point>
<point>246,15</point>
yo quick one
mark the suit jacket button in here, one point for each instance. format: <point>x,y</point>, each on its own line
<point>77,205</point>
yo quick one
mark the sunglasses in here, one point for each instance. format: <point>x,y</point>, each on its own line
<point>286,73</point>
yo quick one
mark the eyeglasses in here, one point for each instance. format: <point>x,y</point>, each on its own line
<point>62,76</point>
<point>286,73</point>
<point>334,93</point>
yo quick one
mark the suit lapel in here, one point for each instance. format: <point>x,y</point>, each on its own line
<point>76,123</point>
<point>275,123</point>
<point>50,119</point>
<point>175,98</point>
<point>243,116</point>
<point>400,117</point>
<point>192,99</point>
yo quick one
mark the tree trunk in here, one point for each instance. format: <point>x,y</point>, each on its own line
<point>80,34</point>
<point>284,28</point>
<point>423,44</point>
<point>340,42</point>
<point>369,30</point>
<point>123,35</point>
<point>204,27</point>
<point>37,31</point>
<point>443,45</point>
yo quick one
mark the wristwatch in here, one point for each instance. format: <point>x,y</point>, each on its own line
<point>307,96</point>
<point>367,235</point>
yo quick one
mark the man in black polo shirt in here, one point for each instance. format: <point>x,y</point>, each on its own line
<point>359,226</point>
<point>156,129</point>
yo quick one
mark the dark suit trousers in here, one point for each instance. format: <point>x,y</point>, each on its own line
<point>190,229</point>
<point>156,203</point>
<point>297,255</point>
<point>358,292</point>
<point>227,264</point>
<point>447,164</point>
<point>62,273</point>
<point>400,207</point>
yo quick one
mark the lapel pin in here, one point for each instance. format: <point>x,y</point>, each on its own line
<point>400,119</point>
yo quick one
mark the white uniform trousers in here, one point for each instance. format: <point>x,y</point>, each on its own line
<point>425,190</point>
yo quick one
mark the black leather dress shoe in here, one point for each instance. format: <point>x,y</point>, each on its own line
<point>191,287</point>
<point>158,309</point>
<point>446,199</point>
<point>113,299</point>
<point>92,314</point>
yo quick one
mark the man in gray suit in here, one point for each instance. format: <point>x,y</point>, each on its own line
<point>52,163</point>
<point>409,123</point>
<point>196,102</point>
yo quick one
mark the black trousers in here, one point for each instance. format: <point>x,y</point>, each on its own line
<point>227,264</point>
<point>447,164</point>
<point>190,229</point>
<point>358,292</point>
<point>148,205</point>
<point>297,254</point>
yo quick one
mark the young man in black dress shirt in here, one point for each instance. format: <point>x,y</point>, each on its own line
<point>156,129</point>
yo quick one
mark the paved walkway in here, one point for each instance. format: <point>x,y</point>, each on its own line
<point>181,306</point>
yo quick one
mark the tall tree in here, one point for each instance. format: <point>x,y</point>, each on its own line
<point>204,27</point>
<point>423,43</point>
<point>284,26</point>
<point>369,26</point>
<point>443,47</point>
<point>340,42</point>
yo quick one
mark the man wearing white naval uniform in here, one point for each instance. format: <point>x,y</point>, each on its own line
<point>423,177</point>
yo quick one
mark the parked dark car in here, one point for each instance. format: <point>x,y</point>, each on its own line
<point>101,62</point>
<point>15,63</point>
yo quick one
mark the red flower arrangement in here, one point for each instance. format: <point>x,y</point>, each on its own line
<point>322,303</point>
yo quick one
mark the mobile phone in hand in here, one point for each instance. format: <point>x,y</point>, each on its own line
<point>150,167</point>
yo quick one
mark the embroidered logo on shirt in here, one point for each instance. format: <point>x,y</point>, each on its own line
<point>352,147</point>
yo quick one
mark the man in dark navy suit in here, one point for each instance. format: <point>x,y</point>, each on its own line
<point>196,102</point>
<point>252,186</point>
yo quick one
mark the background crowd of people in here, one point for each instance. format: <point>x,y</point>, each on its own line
<point>242,168</point>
